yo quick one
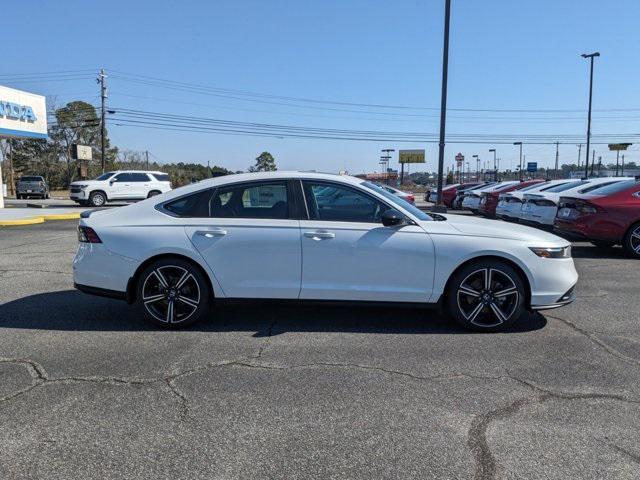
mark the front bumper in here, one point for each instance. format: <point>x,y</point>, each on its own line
<point>565,299</point>
<point>78,195</point>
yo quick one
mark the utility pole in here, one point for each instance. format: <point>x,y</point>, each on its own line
<point>443,99</point>
<point>579,152</point>
<point>103,97</point>
<point>623,164</point>
<point>477,166</point>
<point>557,153</point>
<point>593,161</point>
<point>590,56</point>
<point>146,154</point>
<point>617,161</point>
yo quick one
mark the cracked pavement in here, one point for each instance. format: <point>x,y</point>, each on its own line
<point>263,390</point>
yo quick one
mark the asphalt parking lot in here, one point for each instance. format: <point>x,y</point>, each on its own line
<point>90,390</point>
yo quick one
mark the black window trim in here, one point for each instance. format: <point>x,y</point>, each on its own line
<point>351,187</point>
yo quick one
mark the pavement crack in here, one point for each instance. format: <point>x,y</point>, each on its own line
<point>180,396</point>
<point>267,335</point>
<point>595,340</point>
<point>629,455</point>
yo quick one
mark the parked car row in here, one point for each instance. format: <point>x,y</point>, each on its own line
<point>604,211</point>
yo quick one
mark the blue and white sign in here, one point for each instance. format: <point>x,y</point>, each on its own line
<point>22,114</point>
<point>532,166</point>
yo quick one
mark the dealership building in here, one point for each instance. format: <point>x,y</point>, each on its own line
<point>22,115</point>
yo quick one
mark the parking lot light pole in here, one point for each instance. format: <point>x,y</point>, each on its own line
<point>590,56</point>
<point>443,101</point>
<point>495,162</point>
<point>520,164</point>
<point>477,166</point>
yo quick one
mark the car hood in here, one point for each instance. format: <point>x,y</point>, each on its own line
<point>480,227</point>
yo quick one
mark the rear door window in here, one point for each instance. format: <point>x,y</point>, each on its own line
<point>267,200</point>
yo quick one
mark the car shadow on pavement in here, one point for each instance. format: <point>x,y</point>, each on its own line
<point>71,310</point>
<point>591,251</point>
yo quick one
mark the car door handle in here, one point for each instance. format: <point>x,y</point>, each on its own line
<point>216,232</point>
<point>319,235</point>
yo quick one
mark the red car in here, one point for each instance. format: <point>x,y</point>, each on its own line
<point>449,195</point>
<point>489,200</point>
<point>606,216</point>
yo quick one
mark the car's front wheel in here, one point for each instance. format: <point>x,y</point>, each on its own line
<point>97,199</point>
<point>486,296</point>
<point>173,293</point>
<point>632,241</point>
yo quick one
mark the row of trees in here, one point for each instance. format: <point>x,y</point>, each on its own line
<point>78,123</point>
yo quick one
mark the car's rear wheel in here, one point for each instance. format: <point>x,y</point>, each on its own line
<point>486,296</point>
<point>173,293</point>
<point>97,199</point>
<point>632,241</point>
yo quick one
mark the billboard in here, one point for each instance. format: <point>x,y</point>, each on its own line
<point>411,156</point>
<point>22,114</point>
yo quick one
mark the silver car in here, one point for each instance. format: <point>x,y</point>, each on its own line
<point>32,186</point>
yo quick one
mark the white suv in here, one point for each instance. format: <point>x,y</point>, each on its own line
<point>119,185</point>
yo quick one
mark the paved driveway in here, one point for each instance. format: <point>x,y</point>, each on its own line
<point>89,390</point>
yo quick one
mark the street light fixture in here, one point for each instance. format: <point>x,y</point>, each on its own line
<point>590,56</point>
<point>520,163</point>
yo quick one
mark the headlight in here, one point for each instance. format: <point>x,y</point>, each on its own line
<point>555,252</point>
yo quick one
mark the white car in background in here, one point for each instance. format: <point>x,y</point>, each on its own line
<point>471,200</point>
<point>310,236</point>
<point>510,203</point>
<point>126,185</point>
<point>540,208</point>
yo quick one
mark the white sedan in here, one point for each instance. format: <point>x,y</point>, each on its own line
<point>510,203</point>
<point>471,199</point>
<point>309,236</point>
<point>541,208</point>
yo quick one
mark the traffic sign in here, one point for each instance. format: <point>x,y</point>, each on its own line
<point>532,166</point>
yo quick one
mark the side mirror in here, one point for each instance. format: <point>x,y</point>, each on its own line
<point>111,182</point>
<point>392,217</point>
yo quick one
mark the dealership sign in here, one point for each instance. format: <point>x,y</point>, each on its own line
<point>22,114</point>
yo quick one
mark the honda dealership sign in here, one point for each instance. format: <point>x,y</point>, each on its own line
<point>22,114</point>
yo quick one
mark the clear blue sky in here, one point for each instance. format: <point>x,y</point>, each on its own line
<point>504,54</point>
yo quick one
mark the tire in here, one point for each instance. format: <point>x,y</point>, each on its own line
<point>97,199</point>
<point>164,303</point>
<point>481,309</point>
<point>632,241</point>
<point>18,196</point>
<point>153,193</point>
<point>602,243</point>
<point>47,196</point>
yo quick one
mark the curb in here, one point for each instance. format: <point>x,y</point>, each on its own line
<point>39,219</point>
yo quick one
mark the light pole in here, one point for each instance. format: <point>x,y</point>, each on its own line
<point>590,56</point>
<point>495,163</point>
<point>443,100</point>
<point>520,164</point>
<point>386,158</point>
<point>477,166</point>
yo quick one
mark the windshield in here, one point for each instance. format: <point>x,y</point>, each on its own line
<point>105,176</point>
<point>419,214</point>
<point>31,179</point>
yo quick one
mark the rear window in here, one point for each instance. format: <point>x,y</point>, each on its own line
<point>566,186</point>
<point>611,188</point>
<point>161,177</point>
<point>500,188</point>
<point>531,187</point>
<point>31,179</point>
<point>195,205</point>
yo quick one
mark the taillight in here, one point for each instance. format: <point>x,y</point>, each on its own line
<point>88,235</point>
<point>411,198</point>
<point>586,208</point>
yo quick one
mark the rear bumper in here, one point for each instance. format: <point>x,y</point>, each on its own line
<point>101,292</point>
